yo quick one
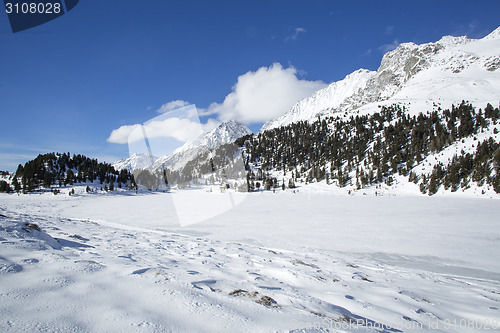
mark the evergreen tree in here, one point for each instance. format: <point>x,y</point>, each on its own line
<point>432,188</point>
<point>5,187</point>
<point>17,186</point>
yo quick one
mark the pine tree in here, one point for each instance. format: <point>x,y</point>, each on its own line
<point>5,187</point>
<point>47,179</point>
<point>70,175</point>
<point>17,186</point>
<point>432,188</point>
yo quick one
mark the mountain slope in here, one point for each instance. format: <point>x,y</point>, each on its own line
<point>391,151</point>
<point>447,71</point>
<point>225,133</point>
<point>330,97</point>
<point>134,162</point>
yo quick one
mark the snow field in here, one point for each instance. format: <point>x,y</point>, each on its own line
<point>276,262</point>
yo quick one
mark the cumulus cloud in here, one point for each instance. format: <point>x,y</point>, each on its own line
<point>264,94</point>
<point>170,106</point>
<point>256,97</point>
<point>389,47</point>
<point>181,123</point>
<point>121,134</point>
<point>296,32</point>
<point>180,129</point>
<point>210,125</point>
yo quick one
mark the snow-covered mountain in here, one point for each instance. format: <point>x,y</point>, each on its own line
<point>226,132</point>
<point>330,97</point>
<point>136,161</point>
<point>445,72</point>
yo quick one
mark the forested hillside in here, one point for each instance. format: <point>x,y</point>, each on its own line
<point>56,170</point>
<point>367,150</point>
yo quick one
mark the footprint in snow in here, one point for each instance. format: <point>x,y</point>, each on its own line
<point>129,256</point>
<point>141,271</point>
<point>421,311</point>
<point>152,271</point>
<point>205,284</point>
<point>360,276</point>
<point>269,288</point>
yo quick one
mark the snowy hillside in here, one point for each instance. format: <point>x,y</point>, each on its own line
<point>447,71</point>
<point>225,133</point>
<point>391,151</point>
<point>330,97</point>
<point>134,162</point>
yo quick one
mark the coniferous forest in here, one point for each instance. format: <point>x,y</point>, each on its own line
<point>366,150</point>
<point>57,170</point>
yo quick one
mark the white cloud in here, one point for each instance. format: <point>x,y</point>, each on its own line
<point>181,122</point>
<point>120,135</point>
<point>210,125</point>
<point>256,97</point>
<point>205,111</point>
<point>180,129</point>
<point>389,47</point>
<point>264,94</point>
<point>170,106</point>
<point>295,34</point>
<point>389,30</point>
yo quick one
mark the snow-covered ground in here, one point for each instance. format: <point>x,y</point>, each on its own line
<point>302,262</point>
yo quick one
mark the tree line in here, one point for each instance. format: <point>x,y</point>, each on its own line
<point>366,150</point>
<point>56,169</point>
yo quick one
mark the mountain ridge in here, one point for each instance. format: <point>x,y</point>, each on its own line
<point>448,62</point>
<point>224,133</point>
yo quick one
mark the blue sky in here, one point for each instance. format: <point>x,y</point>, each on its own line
<point>66,85</point>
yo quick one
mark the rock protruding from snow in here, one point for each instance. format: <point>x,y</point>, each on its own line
<point>450,70</point>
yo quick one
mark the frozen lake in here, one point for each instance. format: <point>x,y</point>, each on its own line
<point>322,258</point>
